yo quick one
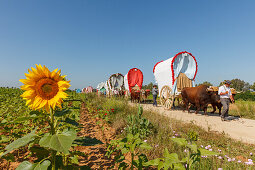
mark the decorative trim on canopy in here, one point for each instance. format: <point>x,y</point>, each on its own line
<point>156,65</point>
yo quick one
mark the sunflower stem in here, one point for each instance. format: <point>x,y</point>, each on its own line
<point>53,162</point>
<point>52,122</point>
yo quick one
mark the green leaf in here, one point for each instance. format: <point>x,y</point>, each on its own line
<point>184,159</point>
<point>4,121</point>
<point>19,142</point>
<point>59,142</point>
<point>124,150</point>
<point>179,166</point>
<point>74,159</point>
<point>193,147</point>
<point>205,152</point>
<point>129,137</point>
<point>153,162</point>
<point>43,166</point>
<point>166,153</point>
<point>29,166</point>
<point>173,157</point>
<point>142,159</point>
<point>136,136</point>
<point>167,165</point>
<point>140,111</point>
<point>180,141</point>
<point>21,119</point>
<point>26,166</point>
<point>4,139</point>
<point>160,165</point>
<point>145,145</point>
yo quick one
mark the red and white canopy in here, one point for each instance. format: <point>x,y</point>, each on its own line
<point>132,78</point>
<point>167,71</point>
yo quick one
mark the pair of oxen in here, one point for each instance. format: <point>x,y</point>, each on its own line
<point>139,95</point>
<point>200,97</point>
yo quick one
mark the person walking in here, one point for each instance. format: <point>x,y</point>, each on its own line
<point>225,97</point>
<point>155,95</point>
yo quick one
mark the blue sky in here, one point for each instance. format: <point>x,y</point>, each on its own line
<point>91,39</point>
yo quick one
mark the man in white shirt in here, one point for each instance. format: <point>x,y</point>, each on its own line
<point>225,97</point>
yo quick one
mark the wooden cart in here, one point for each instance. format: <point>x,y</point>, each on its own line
<point>174,74</point>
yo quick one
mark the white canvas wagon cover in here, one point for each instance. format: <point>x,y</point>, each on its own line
<point>116,82</point>
<point>167,71</point>
<point>101,85</point>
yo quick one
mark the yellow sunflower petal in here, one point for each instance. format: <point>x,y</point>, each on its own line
<point>40,70</point>
<point>42,104</point>
<point>37,102</point>
<point>44,89</point>
<point>28,93</point>
<point>46,71</point>
<point>28,102</point>
<point>26,87</point>
<point>34,70</point>
<point>63,85</point>
<point>27,82</point>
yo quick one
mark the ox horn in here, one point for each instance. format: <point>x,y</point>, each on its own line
<point>209,89</point>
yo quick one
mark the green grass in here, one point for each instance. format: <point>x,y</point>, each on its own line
<point>245,109</point>
<point>165,128</point>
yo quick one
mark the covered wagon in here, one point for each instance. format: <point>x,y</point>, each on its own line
<point>174,74</point>
<point>88,89</point>
<point>115,84</point>
<point>101,88</point>
<point>133,79</point>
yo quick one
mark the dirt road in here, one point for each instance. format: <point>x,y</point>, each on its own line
<point>238,128</point>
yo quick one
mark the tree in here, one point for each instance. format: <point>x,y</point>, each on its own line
<point>238,85</point>
<point>246,87</point>
<point>205,83</point>
<point>148,86</point>
<point>253,86</point>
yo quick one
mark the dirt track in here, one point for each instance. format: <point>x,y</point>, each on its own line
<point>240,129</point>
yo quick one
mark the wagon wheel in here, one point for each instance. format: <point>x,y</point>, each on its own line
<point>179,100</point>
<point>169,102</point>
<point>166,99</point>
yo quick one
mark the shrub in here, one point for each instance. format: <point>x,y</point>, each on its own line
<point>246,96</point>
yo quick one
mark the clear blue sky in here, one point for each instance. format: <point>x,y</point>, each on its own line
<point>91,39</point>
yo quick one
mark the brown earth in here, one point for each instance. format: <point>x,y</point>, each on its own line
<point>96,154</point>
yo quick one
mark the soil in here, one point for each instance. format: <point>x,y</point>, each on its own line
<point>237,128</point>
<point>96,154</point>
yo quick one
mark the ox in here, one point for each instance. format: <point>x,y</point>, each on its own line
<point>144,94</point>
<point>199,96</point>
<point>215,99</point>
<point>135,95</point>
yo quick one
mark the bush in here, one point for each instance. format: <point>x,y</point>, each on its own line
<point>246,96</point>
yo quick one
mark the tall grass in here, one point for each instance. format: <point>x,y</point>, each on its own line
<point>245,109</point>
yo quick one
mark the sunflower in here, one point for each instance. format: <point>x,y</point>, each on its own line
<point>44,89</point>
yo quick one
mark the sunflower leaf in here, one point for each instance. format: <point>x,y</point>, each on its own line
<point>37,166</point>
<point>59,142</point>
<point>20,142</point>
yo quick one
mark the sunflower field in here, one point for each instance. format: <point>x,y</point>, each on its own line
<point>44,125</point>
